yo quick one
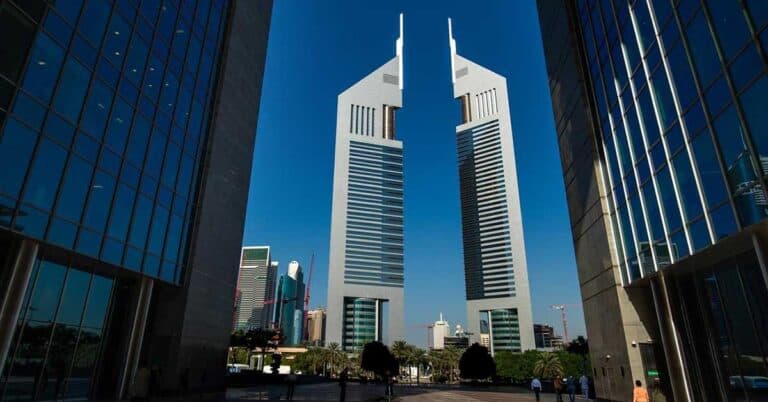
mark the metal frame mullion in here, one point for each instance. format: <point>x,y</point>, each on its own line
<point>680,121</point>
<point>633,160</point>
<point>646,146</point>
<point>663,141</point>
<point>618,158</point>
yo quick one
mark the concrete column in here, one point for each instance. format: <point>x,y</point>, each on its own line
<point>670,340</point>
<point>136,336</point>
<point>21,272</point>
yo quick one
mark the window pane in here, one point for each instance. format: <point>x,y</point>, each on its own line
<point>121,213</point>
<point>723,221</point>
<point>100,201</point>
<point>60,130</point>
<point>29,359</point>
<point>97,109</point>
<point>88,346</point>
<point>137,146</point>
<point>730,25</point>
<point>72,88</point>
<point>94,20</point>
<point>43,67</point>
<point>117,135</point>
<point>16,146</point>
<point>140,227</point>
<point>62,233</point>
<point>43,181</point>
<point>681,75</point>
<point>98,302</point>
<point>73,299</point>
<point>157,235</point>
<point>45,296</point>
<point>709,169</point>
<point>117,40</point>
<point>687,186</point>
<point>699,234</point>
<point>57,362</point>
<point>755,105</point>
<point>17,33</point>
<point>137,57</point>
<point>702,49</point>
<point>747,191</point>
<point>76,186</point>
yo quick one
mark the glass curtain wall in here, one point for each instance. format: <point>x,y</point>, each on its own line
<point>58,338</point>
<point>728,361</point>
<point>104,109</point>
<point>680,90</point>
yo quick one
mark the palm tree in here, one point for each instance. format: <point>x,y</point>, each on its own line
<point>548,365</point>
<point>401,350</point>
<point>333,354</point>
<point>419,358</point>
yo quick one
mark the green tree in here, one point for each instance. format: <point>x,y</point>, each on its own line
<point>516,366</point>
<point>402,352</point>
<point>377,358</point>
<point>476,363</point>
<point>419,359</point>
<point>548,365</point>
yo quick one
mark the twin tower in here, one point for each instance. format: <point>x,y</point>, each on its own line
<point>366,273</point>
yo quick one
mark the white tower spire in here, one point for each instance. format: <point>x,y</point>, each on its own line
<point>399,52</point>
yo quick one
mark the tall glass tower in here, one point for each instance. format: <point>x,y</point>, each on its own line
<point>366,254</point>
<point>494,251</point>
<point>126,142</point>
<point>660,108</point>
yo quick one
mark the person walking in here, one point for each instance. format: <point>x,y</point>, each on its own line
<point>343,377</point>
<point>584,382</point>
<point>536,387</point>
<point>570,386</point>
<point>290,382</point>
<point>558,384</point>
<point>640,394</point>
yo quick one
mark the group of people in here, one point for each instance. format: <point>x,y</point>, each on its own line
<point>564,385</point>
<point>568,385</point>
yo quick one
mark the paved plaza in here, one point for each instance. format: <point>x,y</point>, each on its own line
<point>375,392</point>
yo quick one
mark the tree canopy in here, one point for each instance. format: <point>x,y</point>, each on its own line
<point>377,358</point>
<point>476,363</point>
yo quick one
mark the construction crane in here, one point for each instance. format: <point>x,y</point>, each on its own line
<point>562,308</point>
<point>305,335</point>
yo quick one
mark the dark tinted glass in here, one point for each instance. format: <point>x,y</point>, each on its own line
<point>45,296</point>
<point>16,145</point>
<point>73,298</point>
<point>43,181</point>
<point>72,89</point>
<point>43,67</point>
<point>17,33</point>
<point>709,169</point>
<point>75,188</point>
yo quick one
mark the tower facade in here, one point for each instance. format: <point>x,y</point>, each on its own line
<point>495,269</point>
<point>365,282</point>
<point>255,284</point>
<point>659,109</point>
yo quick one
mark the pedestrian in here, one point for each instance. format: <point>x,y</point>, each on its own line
<point>640,394</point>
<point>571,388</point>
<point>290,382</point>
<point>559,388</point>
<point>536,387</point>
<point>343,376</point>
<point>584,382</point>
<point>390,378</point>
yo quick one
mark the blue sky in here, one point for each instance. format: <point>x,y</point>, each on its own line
<point>319,48</point>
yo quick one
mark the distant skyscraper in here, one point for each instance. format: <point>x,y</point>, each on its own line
<point>494,252</point>
<point>255,284</point>
<point>289,305</point>
<point>365,283</point>
<point>546,337</point>
<point>440,330</point>
<point>316,326</point>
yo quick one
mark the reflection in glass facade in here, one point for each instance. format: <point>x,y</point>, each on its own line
<point>362,322</point>
<point>59,334</point>
<point>103,113</point>
<point>681,94</point>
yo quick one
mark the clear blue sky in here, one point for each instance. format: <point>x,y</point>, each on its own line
<point>319,48</point>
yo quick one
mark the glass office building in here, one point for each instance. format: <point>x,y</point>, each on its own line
<point>675,95</point>
<point>106,119</point>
